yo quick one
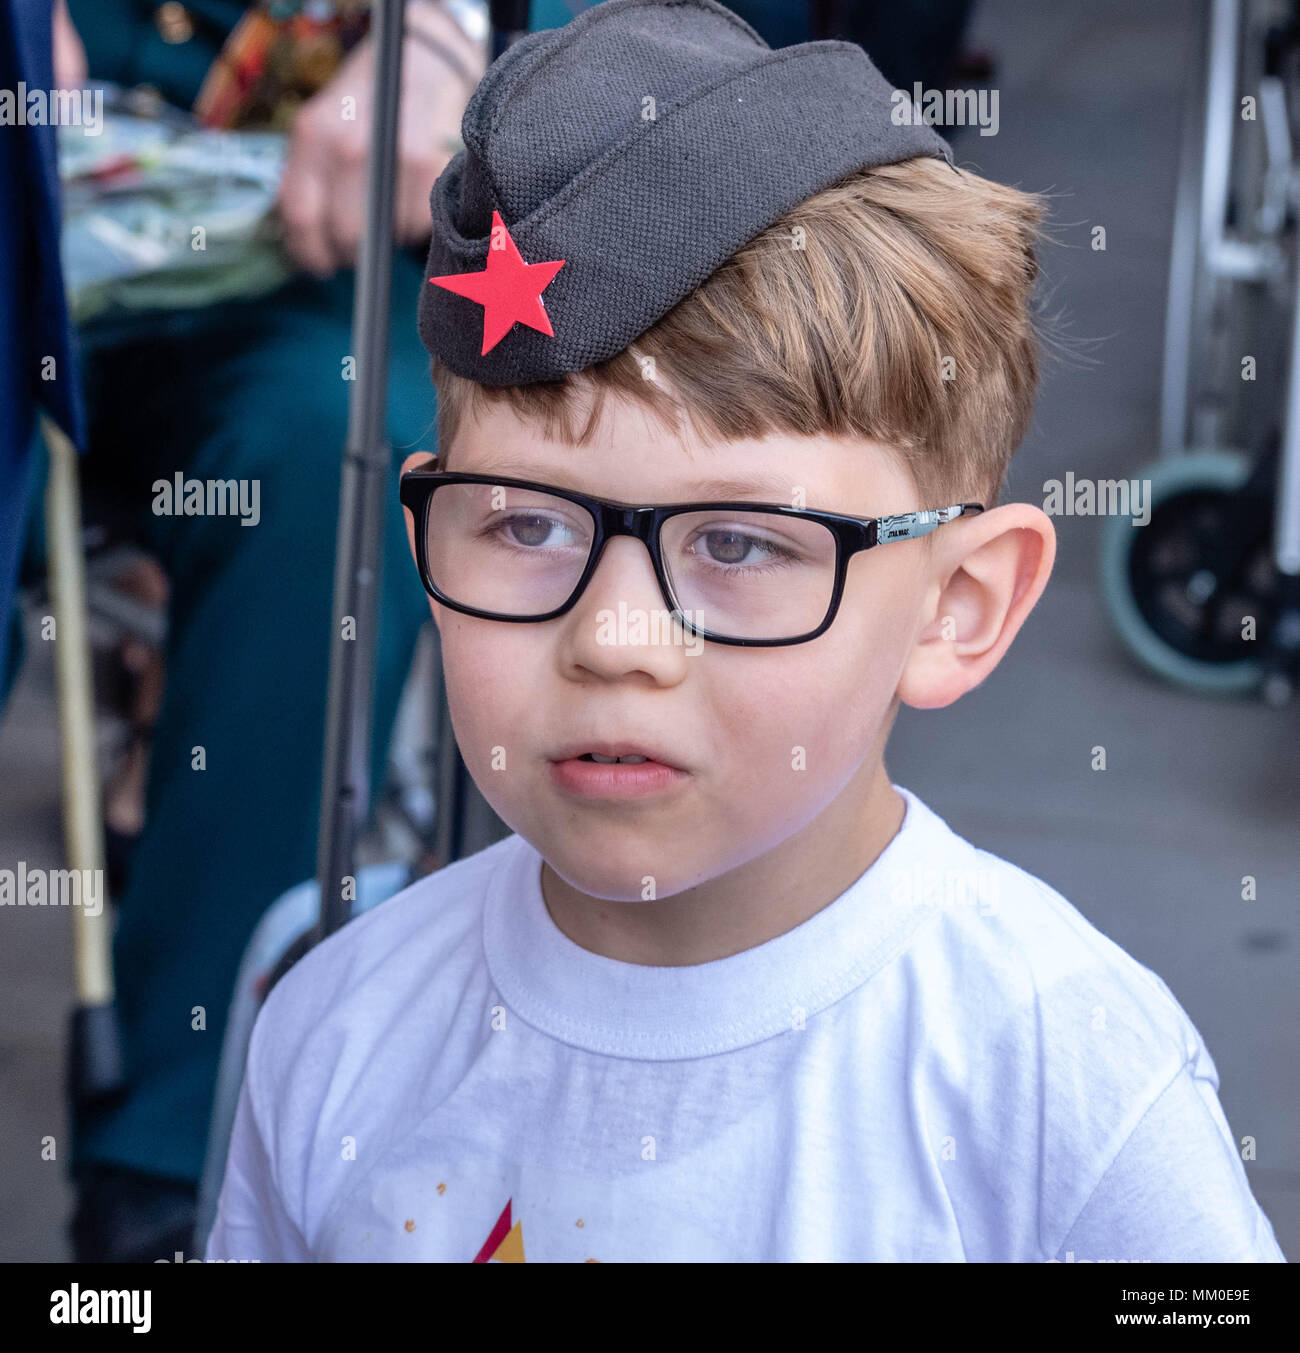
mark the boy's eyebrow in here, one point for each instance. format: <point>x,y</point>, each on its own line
<point>703,490</point>
<point>740,488</point>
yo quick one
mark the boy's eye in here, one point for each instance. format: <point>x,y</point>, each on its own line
<point>733,546</point>
<point>529,530</point>
<point>535,530</point>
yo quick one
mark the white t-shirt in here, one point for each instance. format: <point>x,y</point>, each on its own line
<point>946,1063</point>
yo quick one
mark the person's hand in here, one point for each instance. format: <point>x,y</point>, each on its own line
<point>322,194</point>
<point>69,53</point>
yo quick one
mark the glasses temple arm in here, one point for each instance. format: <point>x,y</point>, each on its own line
<point>910,525</point>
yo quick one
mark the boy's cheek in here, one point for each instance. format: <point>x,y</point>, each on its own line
<point>809,732</point>
<point>486,674</point>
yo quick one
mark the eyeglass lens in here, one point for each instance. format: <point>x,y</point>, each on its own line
<point>518,553</point>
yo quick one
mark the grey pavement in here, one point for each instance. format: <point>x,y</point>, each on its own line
<point>1197,792</point>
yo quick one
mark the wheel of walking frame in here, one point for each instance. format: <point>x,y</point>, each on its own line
<point>1159,594</point>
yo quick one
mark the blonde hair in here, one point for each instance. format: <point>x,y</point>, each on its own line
<point>893,306</point>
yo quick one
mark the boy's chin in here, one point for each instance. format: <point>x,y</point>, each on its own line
<point>617,869</point>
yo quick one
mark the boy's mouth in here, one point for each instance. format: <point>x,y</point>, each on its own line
<point>614,771</point>
<point>611,753</point>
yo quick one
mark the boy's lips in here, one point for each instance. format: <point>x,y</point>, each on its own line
<point>631,747</point>
<point>615,780</point>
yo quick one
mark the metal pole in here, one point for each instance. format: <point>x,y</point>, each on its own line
<point>95,1070</point>
<point>345,782</point>
<point>1188,283</point>
<point>345,787</point>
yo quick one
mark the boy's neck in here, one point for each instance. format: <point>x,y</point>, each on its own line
<point>749,905</point>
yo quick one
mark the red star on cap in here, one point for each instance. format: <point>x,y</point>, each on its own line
<point>508,289</point>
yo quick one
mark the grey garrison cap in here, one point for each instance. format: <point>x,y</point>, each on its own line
<point>610,166</point>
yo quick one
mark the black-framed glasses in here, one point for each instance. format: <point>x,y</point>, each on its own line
<point>744,573</point>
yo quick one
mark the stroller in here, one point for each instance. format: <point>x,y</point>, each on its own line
<point>1207,593</point>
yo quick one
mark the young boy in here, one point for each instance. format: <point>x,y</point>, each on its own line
<point>738,996</point>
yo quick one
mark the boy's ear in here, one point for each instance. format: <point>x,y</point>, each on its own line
<point>985,578</point>
<point>417,460</point>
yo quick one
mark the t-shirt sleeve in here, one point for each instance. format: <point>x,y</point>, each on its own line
<point>1176,1192</point>
<point>252,1222</point>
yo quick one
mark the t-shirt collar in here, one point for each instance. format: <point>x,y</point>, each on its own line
<point>661,1013</point>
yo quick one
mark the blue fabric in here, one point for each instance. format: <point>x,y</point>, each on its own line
<point>33,313</point>
<point>15,342</point>
<point>29,57</point>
